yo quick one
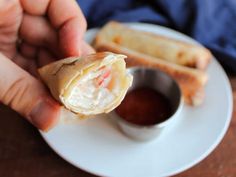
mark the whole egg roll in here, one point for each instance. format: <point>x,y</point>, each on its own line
<point>185,62</point>
<point>88,85</point>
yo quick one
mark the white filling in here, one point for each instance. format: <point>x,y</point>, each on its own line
<point>89,95</point>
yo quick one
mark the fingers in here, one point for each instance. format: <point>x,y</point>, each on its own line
<point>31,58</point>
<point>37,31</point>
<point>36,7</point>
<point>10,18</point>
<point>26,95</point>
<point>10,13</point>
<point>44,57</point>
<point>28,51</point>
<point>65,16</point>
<point>27,64</point>
<point>61,11</point>
<point>70,37</point>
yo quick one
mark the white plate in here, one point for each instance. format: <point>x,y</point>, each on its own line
<point>97,146</point>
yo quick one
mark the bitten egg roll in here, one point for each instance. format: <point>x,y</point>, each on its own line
<point>88,85</point>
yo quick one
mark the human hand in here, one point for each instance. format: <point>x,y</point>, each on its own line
<point>32,34</point>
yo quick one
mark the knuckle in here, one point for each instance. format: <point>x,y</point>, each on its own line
<point>15,91</point>
<point>17,95</point>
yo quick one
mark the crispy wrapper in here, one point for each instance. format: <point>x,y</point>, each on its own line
<point>185,62</point>
<point>162,47</point>
<point>63,76</point>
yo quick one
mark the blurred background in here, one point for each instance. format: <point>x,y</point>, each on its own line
<point>23,152</point>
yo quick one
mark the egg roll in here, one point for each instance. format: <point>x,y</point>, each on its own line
<point>88,85</point>
<point>155,51</point>
<point>158,46</point>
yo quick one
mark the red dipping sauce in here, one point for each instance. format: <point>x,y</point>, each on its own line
<point>144,106</point>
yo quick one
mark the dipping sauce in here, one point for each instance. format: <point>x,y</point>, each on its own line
<point>144,106</point>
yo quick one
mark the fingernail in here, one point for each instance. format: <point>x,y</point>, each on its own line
<point>45,114</point>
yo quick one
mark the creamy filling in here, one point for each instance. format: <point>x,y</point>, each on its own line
<point>91,91</point>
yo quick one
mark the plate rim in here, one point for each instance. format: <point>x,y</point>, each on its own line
<point>210,148</point>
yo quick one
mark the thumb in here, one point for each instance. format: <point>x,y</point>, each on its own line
<point>26,95</point>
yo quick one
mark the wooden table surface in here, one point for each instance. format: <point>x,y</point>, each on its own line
<point>23,152</point>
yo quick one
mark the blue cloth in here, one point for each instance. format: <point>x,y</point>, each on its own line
<point>211,22</point>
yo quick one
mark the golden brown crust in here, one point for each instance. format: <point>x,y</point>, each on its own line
<point>155,45</point>
<point>191,80</point>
